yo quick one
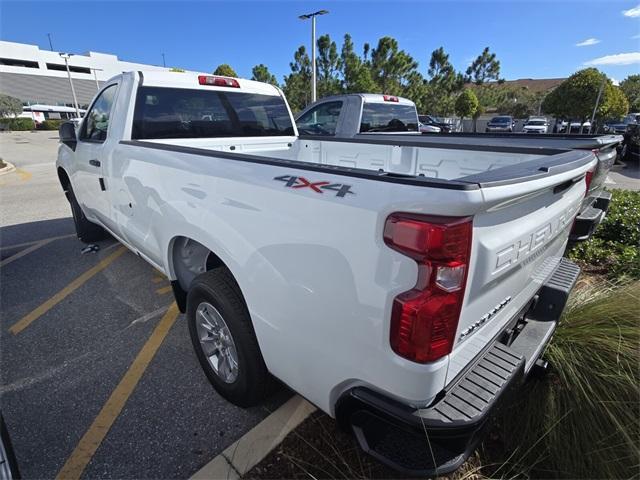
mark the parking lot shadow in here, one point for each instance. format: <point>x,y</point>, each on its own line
<point>35,231</point>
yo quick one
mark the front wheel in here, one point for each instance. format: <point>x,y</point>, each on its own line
<point>86,231</point>
<point>224,340</point>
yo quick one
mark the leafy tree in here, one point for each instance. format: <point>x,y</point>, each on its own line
<point>260,73</point>
<point>297,85</point>
<point>631,88</point>
<point>617,103</point>
<point>328,66</point>
<point>484,68</point>
<point>466,104</point>
<point>519,102</point>
<point>444,83</point>
<point>391,67</point>
<point>416,89</point>
<point>10,106</point>
<point>576,97</point>
<point>356,75</point>
<point>225,70</point>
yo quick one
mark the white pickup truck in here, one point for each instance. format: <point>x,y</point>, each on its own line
<point>401,289</point>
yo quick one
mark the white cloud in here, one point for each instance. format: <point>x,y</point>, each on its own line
<point>614,81</point>
<point>587,42</point>
<point>616,59</point>
<point>632,12</point>
<point>636,37</point>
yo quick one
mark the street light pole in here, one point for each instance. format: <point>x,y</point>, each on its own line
<point>66,57</point>
<point>313,16</point>
<point>95,76</point>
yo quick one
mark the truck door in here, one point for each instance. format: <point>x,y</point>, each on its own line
<point>91,153</point>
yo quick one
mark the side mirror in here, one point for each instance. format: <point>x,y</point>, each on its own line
<point>67,133</point>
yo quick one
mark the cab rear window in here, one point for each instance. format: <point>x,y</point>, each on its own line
<point>385,117</point>
<point>182,113</point>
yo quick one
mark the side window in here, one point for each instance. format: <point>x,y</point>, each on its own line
<point>97,122</point>
<point>320,120</point>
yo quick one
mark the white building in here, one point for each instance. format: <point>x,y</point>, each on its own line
<point>40,76</point>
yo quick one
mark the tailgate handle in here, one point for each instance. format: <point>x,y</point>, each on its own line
<point>566,185</point>
<point>95,163</point>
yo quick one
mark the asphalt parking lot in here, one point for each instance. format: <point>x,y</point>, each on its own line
<point>98,376</point>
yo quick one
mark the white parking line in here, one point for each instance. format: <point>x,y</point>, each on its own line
<point>242,455</point>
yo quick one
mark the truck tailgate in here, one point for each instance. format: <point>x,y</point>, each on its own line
<point>518,240</point>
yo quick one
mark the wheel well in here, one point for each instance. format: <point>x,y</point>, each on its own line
<point>189,259</point>
<point>64,179</point>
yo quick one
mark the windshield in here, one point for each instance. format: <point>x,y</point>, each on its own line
<point>500,120</point>
<point>181,113</point>
<point>631,119</point>
<point>536,122</point>
<point>385,117</point>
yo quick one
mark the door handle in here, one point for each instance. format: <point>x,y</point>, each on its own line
<point>95,163</point>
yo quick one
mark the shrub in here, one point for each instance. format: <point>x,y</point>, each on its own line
<point>17,123</point>
<point>614,248</point>
<point>51,124</point>
<point>583,419</point>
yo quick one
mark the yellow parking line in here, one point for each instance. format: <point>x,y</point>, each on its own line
<point>23,174</point>
<point>158,279</point>
<point>25,321</point>
<point>91,440</point>
<point>24,252</point>
<point>163,290</point>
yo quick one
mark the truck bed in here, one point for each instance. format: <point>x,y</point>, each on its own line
<point>397,159</point>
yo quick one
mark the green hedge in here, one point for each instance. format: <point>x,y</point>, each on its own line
<point>51,124</point>
<point>614,249</point>
<point>17,123</point>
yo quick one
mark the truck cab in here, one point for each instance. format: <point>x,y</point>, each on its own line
<point>355,113</point>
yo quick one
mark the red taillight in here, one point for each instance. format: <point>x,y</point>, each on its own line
<point>424,320</point>
<point>218,81</point>
<point>390,98</point>
<point>587,180</point>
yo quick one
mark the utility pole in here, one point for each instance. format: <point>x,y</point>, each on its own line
<point>164,64</point>
<point>95,76</point>
<point>595,108</point>
<point>50,44</point>
<point>66,57</point>
<point>313,16</point>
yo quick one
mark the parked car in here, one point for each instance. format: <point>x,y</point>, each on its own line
<point>503,123</point>
<point>620,127</point>
<point>355,113</point>
<point>536,125</point>
<point>433,121</point>
<point>576,126</point>
<point>402,288</point>
<point>630,151</point>
<point>428,128</point>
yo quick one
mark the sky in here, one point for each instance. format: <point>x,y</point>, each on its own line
<point>532,39</point>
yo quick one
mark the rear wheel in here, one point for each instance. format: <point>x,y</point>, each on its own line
<point>224,340</point>
<point>87,231</point>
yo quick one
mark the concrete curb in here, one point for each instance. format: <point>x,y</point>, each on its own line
<point>255,445</point>
<point>8,169</point>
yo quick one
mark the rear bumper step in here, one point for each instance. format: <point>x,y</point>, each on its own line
<point>588,220</point>
<point>437,439</point>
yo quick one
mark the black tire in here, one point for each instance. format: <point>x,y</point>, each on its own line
<point>86,231</point>
<point>219,289</point>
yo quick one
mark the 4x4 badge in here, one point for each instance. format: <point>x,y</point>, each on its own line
<point>318,187</point>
